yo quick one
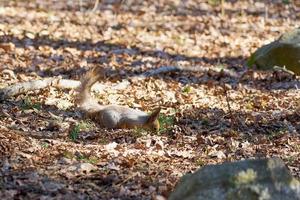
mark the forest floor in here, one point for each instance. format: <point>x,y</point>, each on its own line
<point>48,151</point>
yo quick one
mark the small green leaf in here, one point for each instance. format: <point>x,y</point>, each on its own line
<point>28,104</point>
<point>187,89</point>
<point>74,132</point>
<point>165,122</point>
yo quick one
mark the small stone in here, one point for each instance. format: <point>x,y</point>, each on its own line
<point>82,168</point>
<point>217,154</point>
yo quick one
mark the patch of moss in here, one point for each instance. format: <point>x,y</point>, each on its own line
<point>27,104</point>
<point>166,122</point>
<point>294,184</point>
<point>245,177</point>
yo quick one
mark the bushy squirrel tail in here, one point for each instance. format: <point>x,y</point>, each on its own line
<point>84,99</point>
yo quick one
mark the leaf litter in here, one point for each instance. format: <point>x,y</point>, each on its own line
<point>49,151</point>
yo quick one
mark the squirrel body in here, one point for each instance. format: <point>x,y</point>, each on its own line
<point>112,116</point>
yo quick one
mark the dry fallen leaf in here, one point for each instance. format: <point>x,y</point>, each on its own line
<point>50,149</point>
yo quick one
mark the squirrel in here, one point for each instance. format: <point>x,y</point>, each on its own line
<point>111,116</point>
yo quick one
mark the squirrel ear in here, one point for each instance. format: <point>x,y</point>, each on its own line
<point>154,115</point>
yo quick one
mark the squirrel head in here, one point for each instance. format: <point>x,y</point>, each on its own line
<point>152,122</point>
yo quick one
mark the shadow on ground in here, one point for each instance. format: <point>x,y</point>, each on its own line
<point>136,67</point>
<point>217,121</point>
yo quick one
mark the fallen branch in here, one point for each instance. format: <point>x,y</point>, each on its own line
<point>21,88</point>
<point>166,69</point>
<point>95,6</point>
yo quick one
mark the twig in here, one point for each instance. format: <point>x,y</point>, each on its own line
<point>21,88</point>
<point>227,101</point>
<point>153,72</point>
<point>222,8</point>
<point>266,17</point>
<point>80,5</point>
<point>95,6</point>
<point>166,69</point>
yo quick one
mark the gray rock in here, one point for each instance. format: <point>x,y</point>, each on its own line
<point>263,179</point>
<point>284,52</point>
<point>82,168</point>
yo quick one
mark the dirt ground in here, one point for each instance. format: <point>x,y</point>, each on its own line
<point>48,151</point>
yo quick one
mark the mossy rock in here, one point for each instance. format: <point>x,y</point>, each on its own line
<point>244,180</point>
<point>284,52</point>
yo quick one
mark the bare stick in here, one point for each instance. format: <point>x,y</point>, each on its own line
<point>227,100</point>
<point>157,71</point>
<point>80,5</point>
<point>222,8</point>
<point>21,88</point>
<point>95,6</point>
<point>166,69</point>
